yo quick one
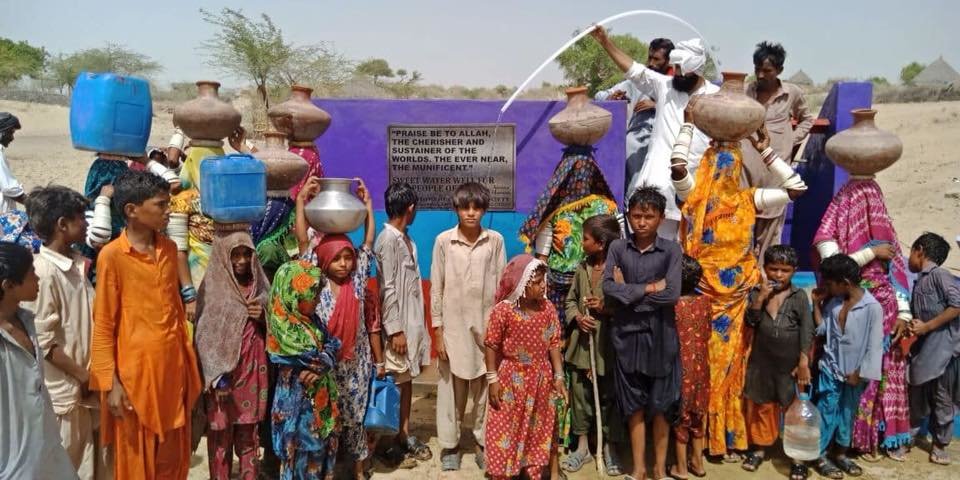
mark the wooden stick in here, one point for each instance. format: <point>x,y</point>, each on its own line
<point>601,469</point>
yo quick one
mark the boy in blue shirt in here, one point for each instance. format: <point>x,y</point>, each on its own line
<point>851,319</point>
<point>935,363</point>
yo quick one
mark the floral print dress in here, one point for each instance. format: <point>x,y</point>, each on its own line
<point>303,416</point>
<point>520,434</point>
<point>353,375</point>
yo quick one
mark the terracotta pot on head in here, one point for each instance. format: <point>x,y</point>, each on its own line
<point>207,119</point>
<point>728,115</point>
<point>284,169</point>
<point>309,120</point>
<point>580,122</point>
<point>863,149</point>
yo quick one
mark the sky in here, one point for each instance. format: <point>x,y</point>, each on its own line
<point>491,42</point>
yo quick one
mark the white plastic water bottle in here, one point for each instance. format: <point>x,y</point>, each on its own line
<point>801,429</point>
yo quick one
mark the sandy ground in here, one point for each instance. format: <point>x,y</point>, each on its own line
<point>922,192</point>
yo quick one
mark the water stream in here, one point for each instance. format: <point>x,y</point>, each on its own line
<point>567,45</point>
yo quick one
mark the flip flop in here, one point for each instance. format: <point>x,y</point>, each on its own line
<point>695,472</point>
<point>676,476</point>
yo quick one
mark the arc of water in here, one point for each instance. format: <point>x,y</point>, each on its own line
<point>586,32</point>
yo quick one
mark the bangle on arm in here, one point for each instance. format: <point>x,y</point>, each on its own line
<point>188,294</point>
<point>492,377</point>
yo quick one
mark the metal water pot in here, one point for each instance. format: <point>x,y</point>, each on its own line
<point>335,209</point>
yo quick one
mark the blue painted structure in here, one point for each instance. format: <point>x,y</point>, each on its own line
<point>356,145</point>
<point>822,177</point>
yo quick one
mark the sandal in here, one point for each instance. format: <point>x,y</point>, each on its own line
<point>418,449</point>
<point>695,472</point>
<point>611,462</point>
<point>397,457</point>
<point>799,471</point>
<point>897,455</point>
<point>827,469</point>
<point>872,457</point>
<point>939,456</point>
<point>849,467</point>
<point>676,476</point>
<point>752,462</point>
<point>575,460</point>
<point>732,457</point>
<point>450,462</point>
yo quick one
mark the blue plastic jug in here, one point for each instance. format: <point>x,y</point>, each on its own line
<point>383,408</point>
<point>233,188</point>
<point>111,113</point>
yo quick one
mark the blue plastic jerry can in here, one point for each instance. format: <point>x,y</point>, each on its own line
<point>383,407</point>
<point>233,188</point>
<point>111,113</point>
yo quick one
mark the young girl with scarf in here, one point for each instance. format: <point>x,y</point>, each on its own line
<point>341,309</point>
<point>230,345</point>
<point>523,354</point>
<point>305,401</point>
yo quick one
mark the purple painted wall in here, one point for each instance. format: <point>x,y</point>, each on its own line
<point>820,174</point>
<point>356,142</point>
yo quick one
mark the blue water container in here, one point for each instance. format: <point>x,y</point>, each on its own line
<point>233,188</point>
<point>383,407</point>
<point>111,113</point>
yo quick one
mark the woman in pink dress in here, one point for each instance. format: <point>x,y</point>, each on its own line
<point>525,372</point>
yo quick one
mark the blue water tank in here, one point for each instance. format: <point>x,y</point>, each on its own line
<point>233,188</point>
<point>111,113</point>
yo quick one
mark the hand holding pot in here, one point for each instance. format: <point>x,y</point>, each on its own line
<point>309,190</point>
<point>762,141</point>
<point>362,193</point>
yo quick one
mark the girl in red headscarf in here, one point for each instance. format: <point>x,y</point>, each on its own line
<point>525,372</point>
<point>343,308</point>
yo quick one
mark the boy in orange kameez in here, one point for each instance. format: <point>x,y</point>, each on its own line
<point>142,360</point>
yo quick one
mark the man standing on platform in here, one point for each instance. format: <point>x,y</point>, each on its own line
<point>689,60</point>
<point>784,103</point>
<point>644,108</point>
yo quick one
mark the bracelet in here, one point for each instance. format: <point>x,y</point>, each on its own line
<point>379,365</point>
<point>492,377</point>
<point>559,376</point>
<point>188,294</point>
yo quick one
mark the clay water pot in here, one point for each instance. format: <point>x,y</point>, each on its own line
<point>309,120</point>
<point>206,118</point>
<point>863,149</point>
<point>284,169</point>
<point>580,122</point>
<point>728,115</point>
<point>335,209</point>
